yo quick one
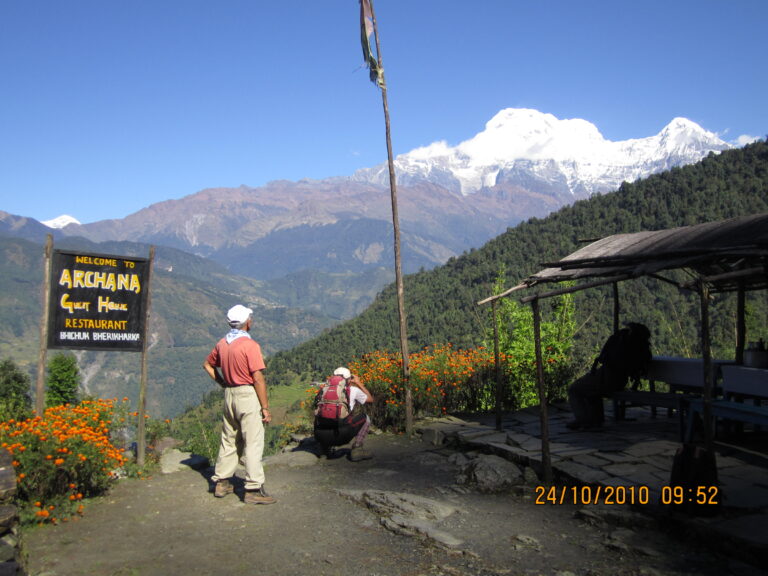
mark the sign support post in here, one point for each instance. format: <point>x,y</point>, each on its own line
<point>40,387</point>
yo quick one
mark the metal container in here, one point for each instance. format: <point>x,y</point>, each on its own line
<point>756,358</point>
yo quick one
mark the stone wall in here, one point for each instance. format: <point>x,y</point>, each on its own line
<point>9,535</point>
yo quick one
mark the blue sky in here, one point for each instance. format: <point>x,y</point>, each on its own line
<point>109,106</point>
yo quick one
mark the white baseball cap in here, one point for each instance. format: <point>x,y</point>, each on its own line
<point>343,372</point>
<point>238,314</point>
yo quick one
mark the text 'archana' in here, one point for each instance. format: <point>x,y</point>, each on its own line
<point>104,280</point>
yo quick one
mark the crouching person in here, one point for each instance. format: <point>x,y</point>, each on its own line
<point>336,420</point>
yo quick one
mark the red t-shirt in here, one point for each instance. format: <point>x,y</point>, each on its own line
<point>238,360</point>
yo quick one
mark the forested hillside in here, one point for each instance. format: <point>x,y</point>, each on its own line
<point>441,303</point>
<point>189,297</point>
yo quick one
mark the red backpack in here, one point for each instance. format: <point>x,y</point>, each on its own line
<point>333,399</point>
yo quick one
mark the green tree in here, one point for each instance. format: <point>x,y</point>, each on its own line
<point>63,380</point>
<point>516,343</point>
<point>15,401</point>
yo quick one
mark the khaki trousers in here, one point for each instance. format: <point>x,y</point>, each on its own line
<point>242,414</point>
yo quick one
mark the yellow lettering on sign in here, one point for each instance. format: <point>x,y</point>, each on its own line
<point>71,306</point>
<point>97,261</point>
<point>95,324</point>
<point>106,305</point>
<point>65,279</point>
<point>103,280</point>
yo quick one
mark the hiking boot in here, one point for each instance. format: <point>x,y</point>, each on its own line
<point>359,453</point>
<point>258,496</point>
<point>223,488</point>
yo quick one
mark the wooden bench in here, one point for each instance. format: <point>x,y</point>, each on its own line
<point>684,376</point>
<point>725,409</point>
<point>745,383</point>
<point>670,400</point>
<point>624,398</point>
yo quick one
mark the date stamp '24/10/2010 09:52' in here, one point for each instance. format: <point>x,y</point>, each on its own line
<point>620,495</point>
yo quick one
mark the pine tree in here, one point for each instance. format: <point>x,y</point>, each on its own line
<point>63,380</point>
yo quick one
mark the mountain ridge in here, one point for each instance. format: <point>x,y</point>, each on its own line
<point>529,137</point>
<point>190,293</point>
<point>538,163</point>
<point>523,164</point>
<point>442,306</point>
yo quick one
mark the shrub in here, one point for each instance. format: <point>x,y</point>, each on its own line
<point>516,344</point>
<point>15,402</point>
<point>63,380</point>
<point>60,458</point>
<point>442,380</point>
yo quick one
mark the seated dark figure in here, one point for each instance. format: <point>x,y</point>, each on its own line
<point>624,356</point>
<point>336,420</point>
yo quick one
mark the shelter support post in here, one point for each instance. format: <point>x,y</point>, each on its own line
<point>546,461</point>
<point>616,307</point>
<point>497,366</point>
<point>741,324</point>
<point>706,355</point>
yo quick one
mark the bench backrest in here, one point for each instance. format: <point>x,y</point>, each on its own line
<point>682,371</point>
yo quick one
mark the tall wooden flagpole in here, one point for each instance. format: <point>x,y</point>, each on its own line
<point>377,75</point>
<point>141,434</point>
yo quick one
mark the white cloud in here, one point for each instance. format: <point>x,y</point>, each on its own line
<point>745,139</point>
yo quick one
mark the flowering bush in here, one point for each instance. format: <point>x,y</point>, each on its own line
<point>61,458</point>
<point>442,380</point>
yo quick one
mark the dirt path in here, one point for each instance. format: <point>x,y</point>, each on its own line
<point>171,524</point>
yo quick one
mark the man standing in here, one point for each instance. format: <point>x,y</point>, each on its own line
<point>246,408</point>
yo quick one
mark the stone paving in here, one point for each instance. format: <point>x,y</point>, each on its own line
<point>633,456</point>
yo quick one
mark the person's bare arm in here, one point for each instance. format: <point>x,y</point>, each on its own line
<point>260,385</point>
<point>213,373</point>
<point>355,381</point>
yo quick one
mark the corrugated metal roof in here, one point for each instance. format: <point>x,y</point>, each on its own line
<point>726,254</point>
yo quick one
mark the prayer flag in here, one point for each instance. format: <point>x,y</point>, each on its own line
<point>366,31</point>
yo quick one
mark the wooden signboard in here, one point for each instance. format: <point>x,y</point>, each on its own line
<point>97,301</point>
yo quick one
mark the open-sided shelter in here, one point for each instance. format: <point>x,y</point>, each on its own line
<point>722,256</point>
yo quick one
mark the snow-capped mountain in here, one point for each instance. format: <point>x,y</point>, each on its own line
<point>542,153</point>
<point>524,164</point>
<point>60,222</point>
